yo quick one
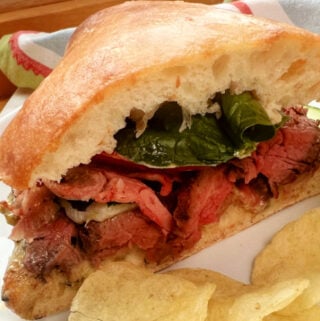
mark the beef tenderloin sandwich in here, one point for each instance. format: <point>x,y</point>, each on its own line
<point>166,127</point>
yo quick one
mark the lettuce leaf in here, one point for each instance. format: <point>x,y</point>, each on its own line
<point>245,121</point>
<point>208,141</point>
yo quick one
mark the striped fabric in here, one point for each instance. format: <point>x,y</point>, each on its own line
<point>27,57</point>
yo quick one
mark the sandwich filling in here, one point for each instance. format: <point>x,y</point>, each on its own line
<point>160,187</point>
<point>232,127</point>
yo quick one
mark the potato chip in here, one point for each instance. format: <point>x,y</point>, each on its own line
<point>235,301</point>
<point>259,303</point>
<point>225,286</point>
<point>293,252</point>
<point>124,292</point>
<point>312,314</point>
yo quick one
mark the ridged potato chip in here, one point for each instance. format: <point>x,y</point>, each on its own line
<point>293,252</point>
<point>235,301</point>
<point>225,286</point>
<point>261,302</point>
<point>312,314</point>
<point>124,292</point>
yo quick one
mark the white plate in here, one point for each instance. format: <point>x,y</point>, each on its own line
<point>233,256</point>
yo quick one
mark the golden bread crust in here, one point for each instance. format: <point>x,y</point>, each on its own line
<point>55,293</point>
<point>139,54</point>
<point>34,297</point>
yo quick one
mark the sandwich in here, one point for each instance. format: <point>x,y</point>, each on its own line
<point>166,127</point>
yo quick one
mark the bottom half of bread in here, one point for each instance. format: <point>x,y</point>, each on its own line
<point>36,297</point>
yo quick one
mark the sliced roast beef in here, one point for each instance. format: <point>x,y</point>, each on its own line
<point>104,186</point>
<point>55,247</point>
<point>130,228</point>
<point>294,150</point>
<point>122,189</point>
<point>244,169</point>
<point>34,209</point>
<point>164,180</point>
<point>209,194</point>
<point>80,183</point>
<point>185,233</point>
<point>254,196</point>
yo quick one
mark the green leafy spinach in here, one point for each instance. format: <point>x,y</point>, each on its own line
<point>208,141</point>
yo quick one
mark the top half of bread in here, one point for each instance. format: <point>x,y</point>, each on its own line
<point>139,54</point>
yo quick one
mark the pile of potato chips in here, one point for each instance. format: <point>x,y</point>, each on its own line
<point>285,286</point>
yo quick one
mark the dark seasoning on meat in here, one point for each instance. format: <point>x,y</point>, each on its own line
<point>170,206</point>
